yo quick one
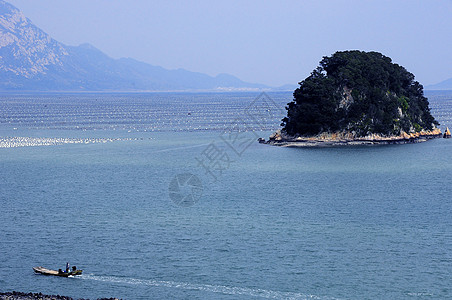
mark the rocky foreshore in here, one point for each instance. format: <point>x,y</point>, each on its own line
<point>348,139</point>
<point>38,296</point>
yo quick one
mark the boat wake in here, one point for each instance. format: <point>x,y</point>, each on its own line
<point>221,289</point>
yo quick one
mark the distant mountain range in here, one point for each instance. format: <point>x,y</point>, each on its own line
<point>443,85</point>
<point>31,60</point>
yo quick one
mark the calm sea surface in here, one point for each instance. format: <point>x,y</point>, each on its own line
<point>100,180</point>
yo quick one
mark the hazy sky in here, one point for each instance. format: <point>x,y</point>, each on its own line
<point>271,42</point>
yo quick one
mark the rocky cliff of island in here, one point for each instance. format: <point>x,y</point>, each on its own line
<point>357,97</point>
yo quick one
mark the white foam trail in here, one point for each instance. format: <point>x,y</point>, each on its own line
<point>262,293</point>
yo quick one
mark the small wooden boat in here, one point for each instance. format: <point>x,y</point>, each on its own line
<point>45,271</point>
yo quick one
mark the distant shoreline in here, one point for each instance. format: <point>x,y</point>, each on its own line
<point>38,296</point>
<point>347,139</point>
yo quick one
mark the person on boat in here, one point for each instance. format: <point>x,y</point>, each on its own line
<point>67,267</point>
<point>74,268</point>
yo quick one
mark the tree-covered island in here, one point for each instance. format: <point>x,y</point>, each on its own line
<point>357,97</point>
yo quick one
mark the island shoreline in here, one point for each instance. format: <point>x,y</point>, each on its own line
<point>347,139</point>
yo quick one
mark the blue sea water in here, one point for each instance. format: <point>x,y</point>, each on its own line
<point>86,178</point>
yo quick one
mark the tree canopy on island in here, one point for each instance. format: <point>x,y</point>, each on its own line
<point>359,92</point>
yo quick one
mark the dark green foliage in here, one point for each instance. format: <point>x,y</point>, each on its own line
<point>358,91</point>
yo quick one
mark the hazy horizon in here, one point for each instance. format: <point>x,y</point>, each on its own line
<point>272,43</point>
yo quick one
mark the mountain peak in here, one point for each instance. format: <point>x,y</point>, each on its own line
<point>7,8</point>
<point>25,50</point>
<point>88,46</point>
<point>11,19</point>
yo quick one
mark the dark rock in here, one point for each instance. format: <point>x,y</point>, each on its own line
<point>38,296</point>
